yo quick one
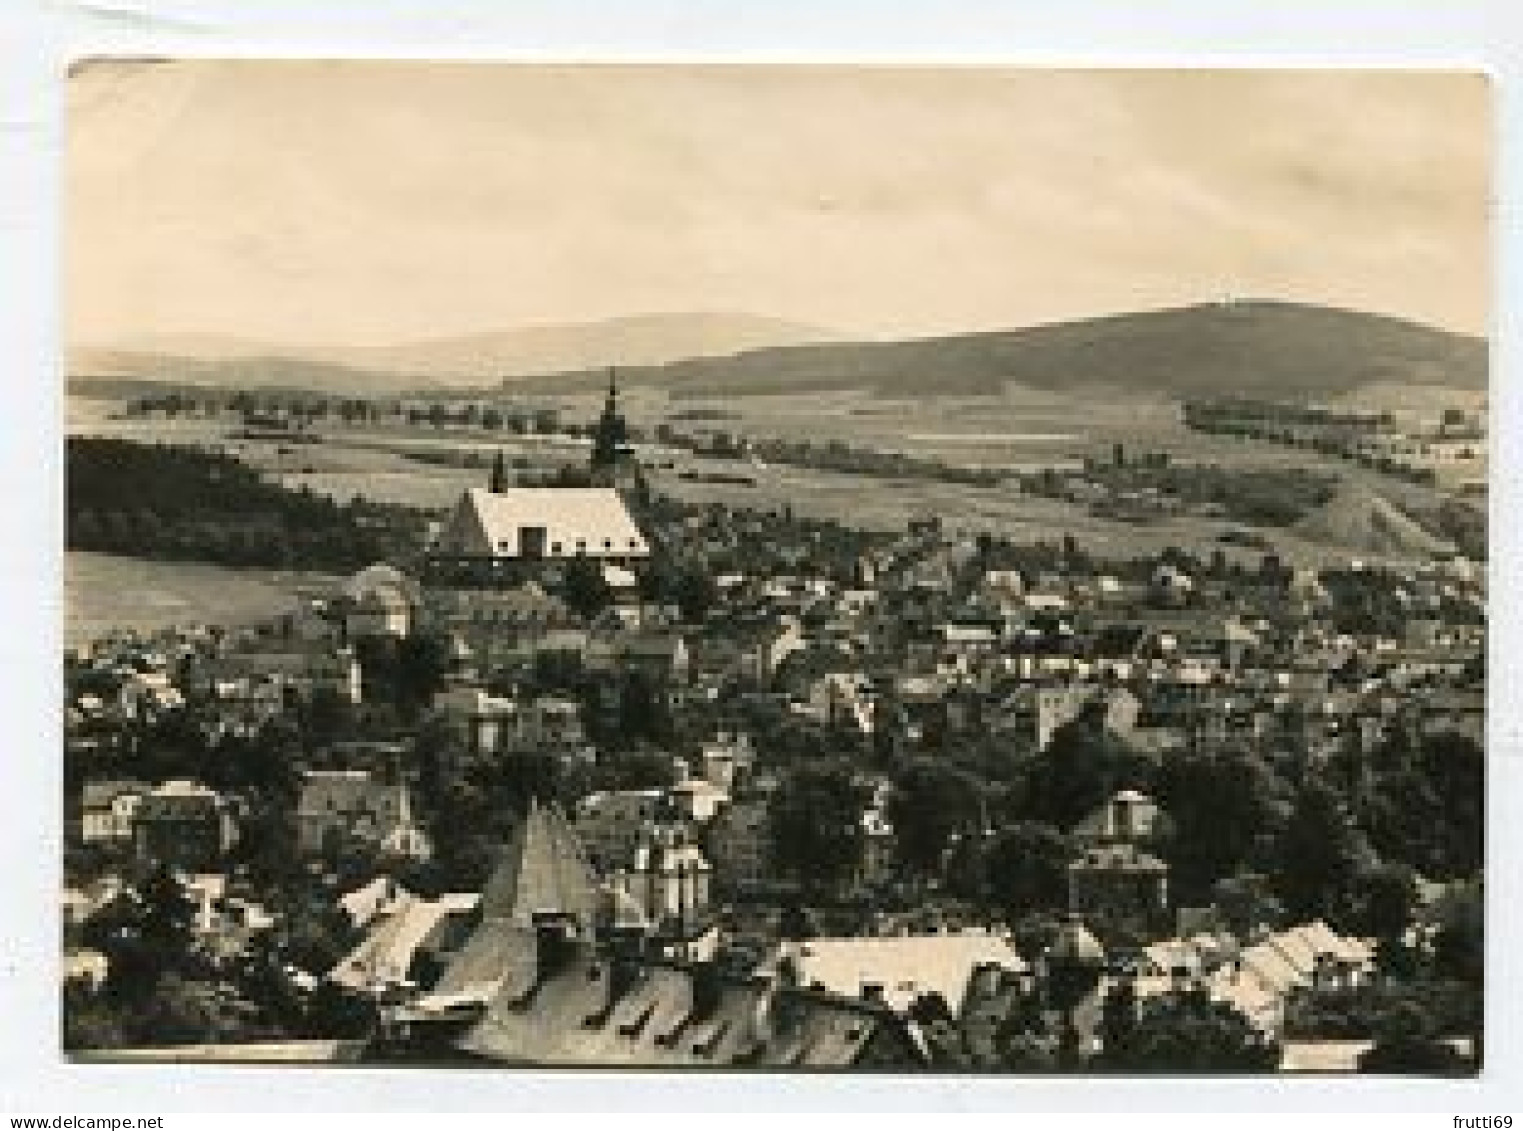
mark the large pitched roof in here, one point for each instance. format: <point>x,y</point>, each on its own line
<point>590,520</point>
<point>386,953</point>
<point>903,966</point>
<point>543,869</point>
<point>576,1018</point>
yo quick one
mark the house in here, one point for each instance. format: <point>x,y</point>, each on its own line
<point>726,760</point>
<point>622,583</point>
<point>86,967</point>
<point>661,657</point>
<point>696,800</point>
<point>1260,979</point>
<point>965,639</point>
<point>773,646</point>
<point>1035,712</point>
<point>611,824</point>
<point>364,903</point>
<point>185,826</point>
<point>496,724</point>
<point>378,612</point>
<point>81,903</point>
<point>1115,883</point>
<point>668,878</point>
<point>147,694</point>
<point>523,612</point>
<point>1119,885</point>
<point>344,806</point>
<point>895,970</point>
<point>405,939</point>
<point>480,719</point>
<point>595,1012</point>
<point>107,809</point>
<point>551,723</point>
<point>739,843</point>
<point>841,699</point>
<point>1128,817</point>
<point>293,672</point>
<point>1002,584</point>
<point>558,973</point>
<point>541,898</point>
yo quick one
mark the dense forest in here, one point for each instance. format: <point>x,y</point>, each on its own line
<point>185,504</point>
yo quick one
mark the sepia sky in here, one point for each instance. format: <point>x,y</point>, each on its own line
<point>369,203</point>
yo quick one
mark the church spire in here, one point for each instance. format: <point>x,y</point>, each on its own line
<point>611,434</point>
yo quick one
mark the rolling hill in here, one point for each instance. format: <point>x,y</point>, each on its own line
<point>1359,519</point>
<point>1243,348</point>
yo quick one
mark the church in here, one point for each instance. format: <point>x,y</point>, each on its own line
<point>504,532</point>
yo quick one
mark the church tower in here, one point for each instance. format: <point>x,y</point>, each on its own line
<point>613,462</point>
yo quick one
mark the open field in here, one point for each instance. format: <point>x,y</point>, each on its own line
<point>105,591</point>
<point>889,504</point>
<point>1022,429</point>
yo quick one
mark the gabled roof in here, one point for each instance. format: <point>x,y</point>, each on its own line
<point>178,807</point>
<point>1104,822</point>
<point>904,966</point>
<point>1075,941</point>
<point>101,793</point>
<point>1274,972</point>
<point>589,520</point>
<point>386,954</point>
<point>385,581</point>
<point>579,1017</point>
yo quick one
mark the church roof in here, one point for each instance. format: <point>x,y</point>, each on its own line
<point>576,1018</point>
<point>544,869</point>
<point>576,520</point>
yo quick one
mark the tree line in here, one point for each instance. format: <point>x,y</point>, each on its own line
<point>182,503</point>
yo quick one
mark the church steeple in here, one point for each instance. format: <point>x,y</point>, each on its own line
<point>609,439</point>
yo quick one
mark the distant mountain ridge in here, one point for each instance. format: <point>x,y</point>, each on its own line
<point>472,360</point>
<point>1270,349</point>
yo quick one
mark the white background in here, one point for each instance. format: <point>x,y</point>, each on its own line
<point>37,38</point>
